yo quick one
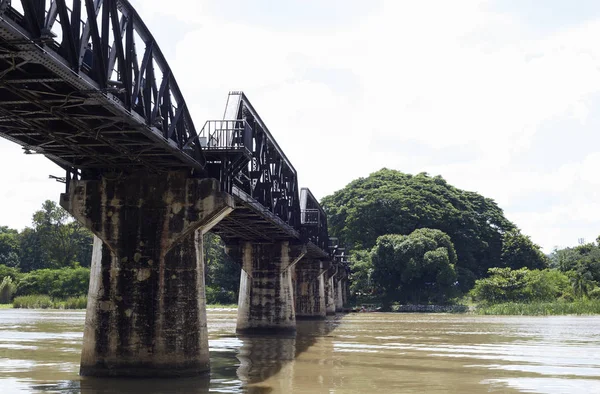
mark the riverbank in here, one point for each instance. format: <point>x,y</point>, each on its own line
<point>581,307</point>
<point>47,302</point>
<point>554,308</point>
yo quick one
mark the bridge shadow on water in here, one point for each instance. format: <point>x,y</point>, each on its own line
<point>239,364</point>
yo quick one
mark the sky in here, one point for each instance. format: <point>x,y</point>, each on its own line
<point>501,97</point>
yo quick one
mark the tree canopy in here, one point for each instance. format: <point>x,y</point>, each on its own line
<point>417,268</point>
<point>391,202</point>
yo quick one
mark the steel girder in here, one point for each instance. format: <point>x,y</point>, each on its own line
<point>72,87</point>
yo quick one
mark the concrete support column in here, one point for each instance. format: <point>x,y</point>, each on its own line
<point>266,301</point>
<point>310,290</point>
<point>345,291</point>
<point>146,312</point>
<point>330,296</point>
<point>339,298</point>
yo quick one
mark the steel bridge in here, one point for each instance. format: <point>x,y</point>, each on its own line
<point>84,83</point>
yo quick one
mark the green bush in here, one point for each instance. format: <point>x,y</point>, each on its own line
<point>523,285</point>
<point>33,302</point>
<point>594,294</point>
<point>36,301</point>
<point>11,272</point>
<point>58,283</point>
<point>7,290</point>
<point>76,302</point>
<point>219,296</point>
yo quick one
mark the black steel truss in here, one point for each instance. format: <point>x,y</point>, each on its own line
<point>313,220</point>
<point>72,87</point>
<point>84,83</point>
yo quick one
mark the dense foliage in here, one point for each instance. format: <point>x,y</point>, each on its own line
<point>402,208</point>
<point>415,268</point>
<point>522,285</point>
<point>391,202</point>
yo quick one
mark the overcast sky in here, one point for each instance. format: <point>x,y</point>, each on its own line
<point>499,97</point>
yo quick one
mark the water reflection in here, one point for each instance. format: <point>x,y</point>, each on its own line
<point>262,357</point>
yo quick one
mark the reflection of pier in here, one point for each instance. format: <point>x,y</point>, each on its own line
<point>262,357</point>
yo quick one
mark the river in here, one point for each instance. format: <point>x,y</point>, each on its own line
<point>353,353</point>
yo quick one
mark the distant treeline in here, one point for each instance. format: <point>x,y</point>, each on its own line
<point>52,258</point>
<point>419,240</point>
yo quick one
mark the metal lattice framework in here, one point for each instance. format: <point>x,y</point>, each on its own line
<point>313,220</point>
<point>84,83</point>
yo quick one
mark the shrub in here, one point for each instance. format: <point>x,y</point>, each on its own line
<point>37,301</point>
<point>522,285</point>
<point>76,302</point>
<point>594,294</point>
<point>59,283</point>
<point>7,290</point>
<point>33,302</point>
<point>11,272</point>
<point>219,296</point>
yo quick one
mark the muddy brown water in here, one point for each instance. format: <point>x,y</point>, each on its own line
<point>354,353</point>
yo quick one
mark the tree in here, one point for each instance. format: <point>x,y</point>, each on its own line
<point>63,240</point>
<point>361,273</point>
<point>518,251</point>
<point>584,259</point>
<point>9,247</point>
<point>222,273</point>
<point>417,268</point>
<point>33,254</point>
<point>7,290</point>
<point>391,202</point>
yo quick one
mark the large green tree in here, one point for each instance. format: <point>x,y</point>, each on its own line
<point>9,247</point>
<point>518,251</point>
<point>416,268</point>
<point>391,202</point>
<point>582,261</point>
<point>64,240</point>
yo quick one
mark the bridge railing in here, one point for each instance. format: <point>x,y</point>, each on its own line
<point>313,220</point>
<point>310,217</point>
<point>223,135</point>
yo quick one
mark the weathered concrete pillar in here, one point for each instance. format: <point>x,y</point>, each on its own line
<point>146,312</point>
<point>339,298</point>
<point>310,290</point>
<point>330,296</point>
<point>266,301</point>
<point>345,291</point>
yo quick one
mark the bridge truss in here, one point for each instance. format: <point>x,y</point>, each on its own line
<point>84,83</point>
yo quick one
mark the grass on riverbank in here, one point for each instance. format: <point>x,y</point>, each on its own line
<point>579,307</point>
<point>221,306</point>
<point>46,302</point>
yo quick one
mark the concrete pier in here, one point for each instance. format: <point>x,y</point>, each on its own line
<point>266,300</point>
<point>146,312</point>
<point>310,290</point>
<point>330,295</point>
<point>339,297</point>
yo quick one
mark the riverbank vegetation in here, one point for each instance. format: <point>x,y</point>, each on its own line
<point>417,240</point>
<point>411,240</point>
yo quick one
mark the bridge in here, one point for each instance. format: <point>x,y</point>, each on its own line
<point>84,83</point>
